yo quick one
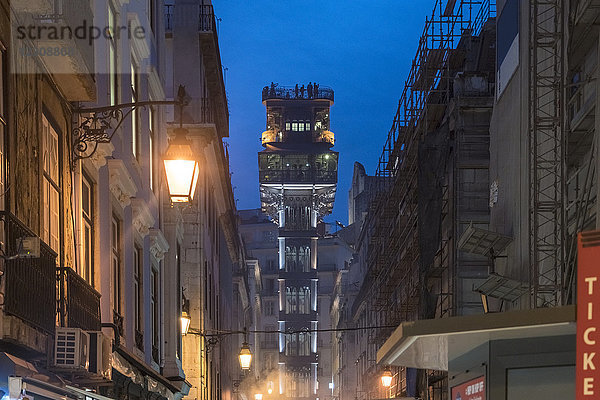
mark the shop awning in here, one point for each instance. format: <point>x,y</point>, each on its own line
<point>431,343</point>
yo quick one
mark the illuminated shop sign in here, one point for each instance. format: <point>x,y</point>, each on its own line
<point>470,390</point>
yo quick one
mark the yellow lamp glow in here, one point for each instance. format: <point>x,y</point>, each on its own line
<point>245,356</point>
<point>181,168</point>
<point>270,387</point>
<point>185,322</point>
<point>386,378</point>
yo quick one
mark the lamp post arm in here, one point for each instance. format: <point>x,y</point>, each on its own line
<point>95,125</point>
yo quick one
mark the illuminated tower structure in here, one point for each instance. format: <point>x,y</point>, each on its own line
<point>298,178</point>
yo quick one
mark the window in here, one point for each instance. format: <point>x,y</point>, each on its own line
<point>304,300</point>
<point>270,286</point>
<point>151,12</point>
<point>116,264</point>
<point>87,240</point>
<point>295,126</point>
<point>297,258</point>
<point>154,309</point>
<point>113,64</point>
<point>269,307</point>
<point>151,146</point>
<point>135,115</point>
<point>138,294</point>
<point>3,122</point>
<point>51,187</point>
<point>287,126</point>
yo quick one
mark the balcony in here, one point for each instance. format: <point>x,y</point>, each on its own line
<point>82,301</point>
<point>298,176</point>
<point>30,283</point>
<point>294,93</point>
<point>209,43</point>
<point>169,8</point>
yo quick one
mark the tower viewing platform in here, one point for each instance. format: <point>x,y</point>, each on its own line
<point>297,92</point>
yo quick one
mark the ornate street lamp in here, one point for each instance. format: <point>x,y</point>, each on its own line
<point>181,167</point>
<point>185,318</point>
<point>386,378</point>
<point>245,356</point>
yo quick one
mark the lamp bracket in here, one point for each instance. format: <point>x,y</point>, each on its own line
<point>211,342</point>
<point>99,125</point>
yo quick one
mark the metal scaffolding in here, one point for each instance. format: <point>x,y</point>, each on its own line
<point>547,154</point>
<point>393,256</point>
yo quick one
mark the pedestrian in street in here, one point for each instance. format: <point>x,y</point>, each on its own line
<point>296,90</point>
<point>302,91</point>
<point>316,89</point>
<point>310,90</point>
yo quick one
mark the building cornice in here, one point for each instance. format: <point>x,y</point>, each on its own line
<point>158,244</point>
<point>120,182</point>
<point>142,218</point>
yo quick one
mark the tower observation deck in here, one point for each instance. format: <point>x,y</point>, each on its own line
<point>298,178</point>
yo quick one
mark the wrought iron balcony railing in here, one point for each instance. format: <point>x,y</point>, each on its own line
<point>169,8</point>
<point>288,92</point>
<point>30,291</point>
<point>82,301</point>
<point>206,18</point>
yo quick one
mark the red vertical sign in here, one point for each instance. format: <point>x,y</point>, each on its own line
<point>587,383</point>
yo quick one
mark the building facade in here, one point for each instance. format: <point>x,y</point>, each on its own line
<point>82,173</point>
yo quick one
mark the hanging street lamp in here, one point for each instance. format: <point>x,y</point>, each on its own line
<point>181,168</point>
<point>386,378</point>
<point>245,356</point>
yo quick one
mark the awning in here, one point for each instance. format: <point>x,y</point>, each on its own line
<point>431,343</point>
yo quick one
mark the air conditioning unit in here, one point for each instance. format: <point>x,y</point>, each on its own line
<point>100,355</point>
<point>71,348</point>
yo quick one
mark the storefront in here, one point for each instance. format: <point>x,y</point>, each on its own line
<point>510,355</point>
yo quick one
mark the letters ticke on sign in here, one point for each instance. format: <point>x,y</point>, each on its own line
<point>470,390</point>
<point>587,383</point>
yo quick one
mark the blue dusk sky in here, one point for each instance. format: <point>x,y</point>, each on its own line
<point>361,49</point>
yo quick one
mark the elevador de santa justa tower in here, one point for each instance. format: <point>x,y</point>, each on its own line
<point>298,178</point>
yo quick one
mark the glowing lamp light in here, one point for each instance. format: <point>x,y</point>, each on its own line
<point>185,322</point>
<point>181,168</point>
<point>258,396</point>
<point>245,356</point>
<point>270,387</point>
<point>386,378</point>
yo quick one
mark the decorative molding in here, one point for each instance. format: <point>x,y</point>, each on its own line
<point>158,244</point>
<point>120,182</point>
<point>103,151</point>
<point>139,45</point>
<point>142,218</point>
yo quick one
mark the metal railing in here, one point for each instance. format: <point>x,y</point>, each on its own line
<point>288,92</point>
<point>169,8</point>
<point>298,176</point>
<point>83,302</point>
<point>207,21</point>
<point>30,292</point>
